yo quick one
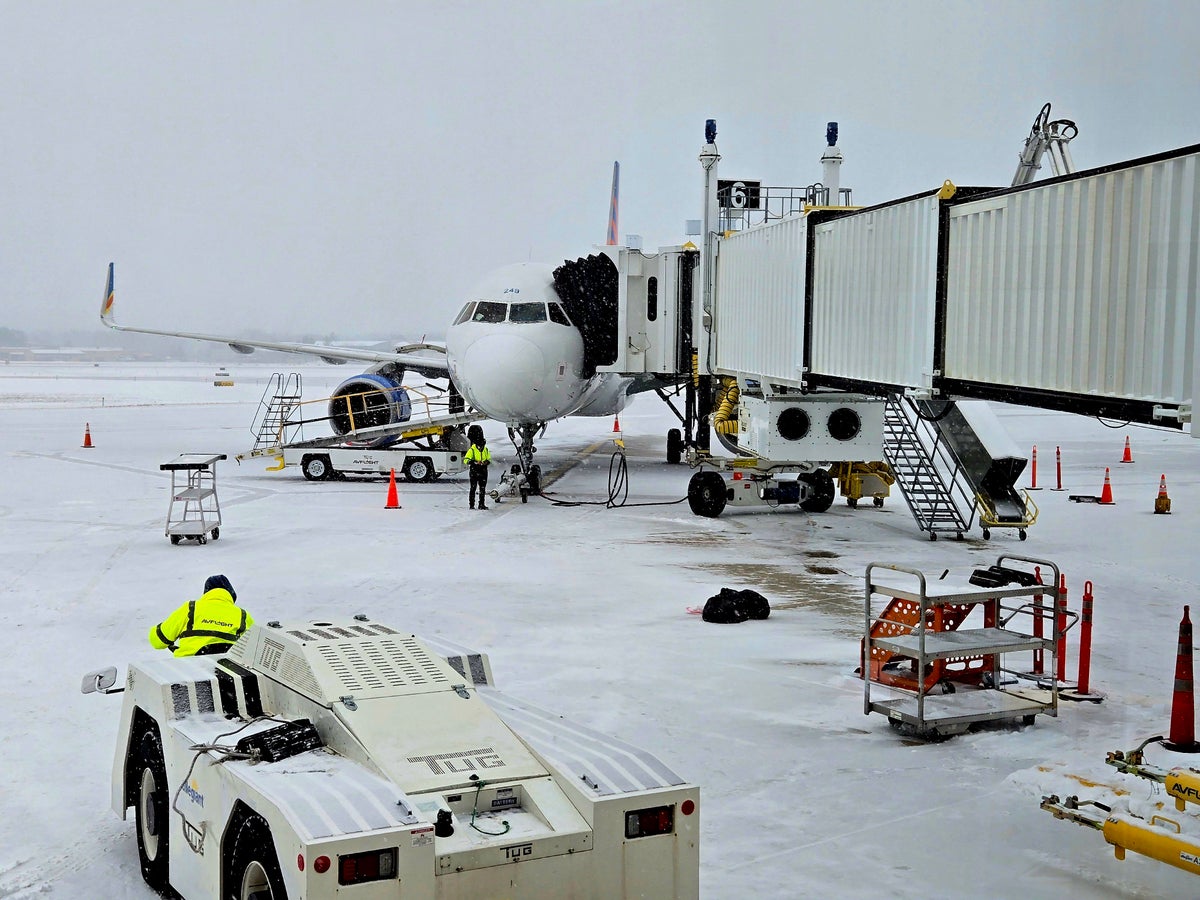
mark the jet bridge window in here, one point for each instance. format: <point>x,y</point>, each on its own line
<point>527,312</point>
<point>466,313</point>
<point>490,311</point>
<point>558,315</point>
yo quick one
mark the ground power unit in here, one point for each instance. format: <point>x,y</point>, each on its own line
<point>348,759</point>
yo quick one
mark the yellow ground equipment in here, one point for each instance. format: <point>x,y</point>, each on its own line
<point>857,480</point>
<point>1158,837</point>
<point>989,518</point>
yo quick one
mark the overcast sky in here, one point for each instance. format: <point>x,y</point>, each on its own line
<point>355,168</point>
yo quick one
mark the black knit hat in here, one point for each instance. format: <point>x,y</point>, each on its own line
<point>220,581</point>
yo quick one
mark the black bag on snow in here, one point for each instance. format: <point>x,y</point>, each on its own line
<point>730,606</point>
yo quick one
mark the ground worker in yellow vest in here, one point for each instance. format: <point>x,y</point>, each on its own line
<point>205,626</point>
<point>477,459</point>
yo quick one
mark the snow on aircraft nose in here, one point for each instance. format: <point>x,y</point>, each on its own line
<point>505,372</point>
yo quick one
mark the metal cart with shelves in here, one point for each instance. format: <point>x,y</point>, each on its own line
<point>933,655</point>
<point>195,512</point>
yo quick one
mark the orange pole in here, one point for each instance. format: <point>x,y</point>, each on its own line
<point>1085,639</point>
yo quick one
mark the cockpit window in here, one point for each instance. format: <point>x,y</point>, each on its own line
<point>559,315</point>
<point>489,311</point>
<point>466,313</point>
<point>527,312</point>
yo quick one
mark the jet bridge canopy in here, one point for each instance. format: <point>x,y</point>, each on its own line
<point>1078,293</point>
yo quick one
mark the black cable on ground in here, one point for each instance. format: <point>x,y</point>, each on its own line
<point>618,489</point>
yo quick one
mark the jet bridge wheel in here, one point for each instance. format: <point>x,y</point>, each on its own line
<point>151,810</point>
<point>254,871</point>
<point>824,491</point>
<point>706,494</point>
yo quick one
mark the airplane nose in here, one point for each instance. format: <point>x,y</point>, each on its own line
<point>505,372</point>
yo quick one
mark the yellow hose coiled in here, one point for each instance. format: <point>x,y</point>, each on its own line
<point>725,419</point>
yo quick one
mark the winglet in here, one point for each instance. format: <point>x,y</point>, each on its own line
<point>612,208</point>
<point>106,305</point>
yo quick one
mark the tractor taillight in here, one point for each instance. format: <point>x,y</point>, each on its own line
<point>647,822</point>
<point>374,865</point>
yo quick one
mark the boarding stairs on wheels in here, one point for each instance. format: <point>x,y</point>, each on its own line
<point>926,470</point>
<point>272,427</point>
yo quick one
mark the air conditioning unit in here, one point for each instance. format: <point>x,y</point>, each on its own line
<point>812,428</point>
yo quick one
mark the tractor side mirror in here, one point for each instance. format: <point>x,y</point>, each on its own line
<point>100,682</point>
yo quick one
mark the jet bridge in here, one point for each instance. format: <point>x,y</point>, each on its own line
<point>1078,293</point>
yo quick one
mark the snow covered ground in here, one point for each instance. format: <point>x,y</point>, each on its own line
<point>583,610</point>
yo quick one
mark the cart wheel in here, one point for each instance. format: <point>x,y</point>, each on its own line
<point>958,536</point>
<point>879,501</point>
<point>852,502</point>
<point>933,535</point>
<point>202,538</point>
<point>1021,533</point>
<point>175,539</point>
<point>216,533</point>
<point>987,534</point>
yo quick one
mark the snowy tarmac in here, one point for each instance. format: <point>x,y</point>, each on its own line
<point>584,611</point>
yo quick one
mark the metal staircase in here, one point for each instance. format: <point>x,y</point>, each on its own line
<point>928,473</point>
<point>280,398</point>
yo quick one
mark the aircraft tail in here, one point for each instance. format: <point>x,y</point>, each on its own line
<point>612,208</point>
<point>106,305</point>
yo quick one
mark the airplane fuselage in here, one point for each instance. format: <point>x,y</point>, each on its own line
<point>513,352</point>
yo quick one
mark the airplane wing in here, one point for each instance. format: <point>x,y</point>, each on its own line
<point>415,357</point>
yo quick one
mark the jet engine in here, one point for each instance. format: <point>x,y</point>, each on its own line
<point>370,400</point>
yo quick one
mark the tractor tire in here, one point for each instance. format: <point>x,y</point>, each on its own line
<point>254,865</point>
<point>418,469</point>
<point>152,811</point>
<point>317,467</point>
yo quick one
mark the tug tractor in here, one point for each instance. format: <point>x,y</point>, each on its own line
<point>348,759</point>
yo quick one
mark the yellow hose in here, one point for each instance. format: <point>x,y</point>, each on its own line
<point>725,419</point>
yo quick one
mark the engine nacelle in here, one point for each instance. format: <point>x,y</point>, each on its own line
<point>369,400</point>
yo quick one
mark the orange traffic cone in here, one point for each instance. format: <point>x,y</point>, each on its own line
<point>1106,494</point>
<point>1128,457</point>
<point>1183,704</point>
<point>616,424</point>
<point>393,500</point>
<point>87,436</point>
<point>1162,503</point>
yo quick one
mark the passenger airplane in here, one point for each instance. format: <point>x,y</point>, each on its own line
<point>517,353</point>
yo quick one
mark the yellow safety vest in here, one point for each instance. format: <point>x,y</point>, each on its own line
<point>213,619</point>
<point>476,455</point>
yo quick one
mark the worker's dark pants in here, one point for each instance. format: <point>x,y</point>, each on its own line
<point>479,478</point>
